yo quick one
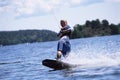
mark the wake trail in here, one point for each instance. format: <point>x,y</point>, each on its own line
<point>93,60</point>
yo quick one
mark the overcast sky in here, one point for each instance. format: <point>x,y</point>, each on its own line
<point>46,14</point>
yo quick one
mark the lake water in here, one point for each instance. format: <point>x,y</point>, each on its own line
<point>99,58</point>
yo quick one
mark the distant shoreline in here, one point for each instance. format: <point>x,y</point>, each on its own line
<point>89,29</point>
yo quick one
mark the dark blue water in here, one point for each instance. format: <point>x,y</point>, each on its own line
<point>99,58</point>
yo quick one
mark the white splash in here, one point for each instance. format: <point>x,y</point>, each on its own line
<point>93,60</point>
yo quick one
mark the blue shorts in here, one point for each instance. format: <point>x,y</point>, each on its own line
<point>64,46</point>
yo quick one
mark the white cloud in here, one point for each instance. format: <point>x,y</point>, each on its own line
<point>5,6</point>
<point>4,9</point>
<point>112,0</point>
<point>31,7</point>
<point>76,1</point>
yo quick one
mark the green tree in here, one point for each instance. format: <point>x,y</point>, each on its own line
<point>115,29</point>
<point>105,23</point>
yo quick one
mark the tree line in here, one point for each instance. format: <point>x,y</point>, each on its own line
<point>95,28</point>
<point>26,36</point>
<point>89,29</point>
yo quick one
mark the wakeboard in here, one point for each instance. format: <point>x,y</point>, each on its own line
<point>56,65</point>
